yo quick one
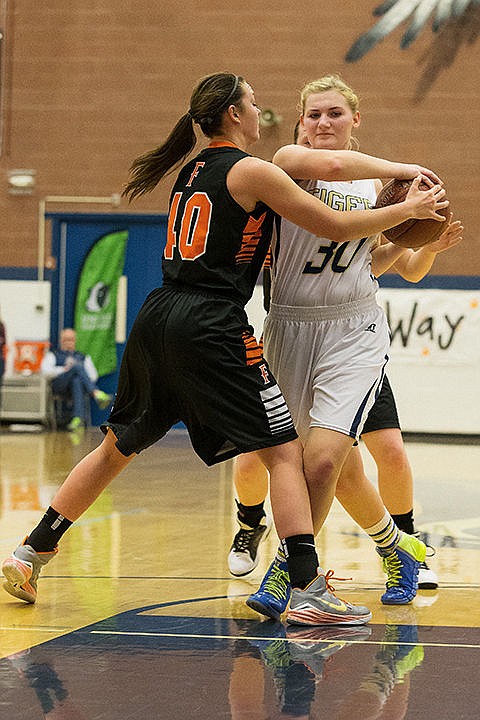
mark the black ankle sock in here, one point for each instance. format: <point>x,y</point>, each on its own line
<point>302,559</point>
<point>45,537</point>
<point>405,522</point>
<point>250,514</point>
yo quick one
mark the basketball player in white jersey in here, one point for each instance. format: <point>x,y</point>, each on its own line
<point>381,431</point>
<point>327,341</point>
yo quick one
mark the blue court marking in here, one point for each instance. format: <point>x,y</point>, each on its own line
<point>133,625</point>
<point>137,665</point>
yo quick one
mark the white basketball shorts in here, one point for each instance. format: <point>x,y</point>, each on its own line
<point>329,362</point>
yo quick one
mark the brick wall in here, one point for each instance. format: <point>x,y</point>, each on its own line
<point>89,86</point>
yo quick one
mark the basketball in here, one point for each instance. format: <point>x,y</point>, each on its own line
<point>412,233</point>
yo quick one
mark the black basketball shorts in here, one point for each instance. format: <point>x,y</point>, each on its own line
<point>383,413</point>
<point>191,357</point>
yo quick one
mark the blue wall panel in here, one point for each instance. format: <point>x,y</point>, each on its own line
<point>73,235</point>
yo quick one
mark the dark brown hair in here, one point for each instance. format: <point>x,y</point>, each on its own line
<point>210,98</point>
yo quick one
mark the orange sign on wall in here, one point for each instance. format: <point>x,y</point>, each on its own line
<point>29,355</point>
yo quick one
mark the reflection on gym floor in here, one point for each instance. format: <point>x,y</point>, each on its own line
<point>137,616</point>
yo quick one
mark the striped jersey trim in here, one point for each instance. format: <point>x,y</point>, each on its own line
<point>278,414</point>
<point>251,237</point>
<point>253,349</point>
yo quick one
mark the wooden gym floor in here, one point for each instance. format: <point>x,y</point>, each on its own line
<point>137,616</point>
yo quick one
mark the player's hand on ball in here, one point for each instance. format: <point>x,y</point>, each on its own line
<point>428,207</point>
<point>429,177</point>
<point>426,203</point>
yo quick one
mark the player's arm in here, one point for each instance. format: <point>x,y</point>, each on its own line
<point>384,256</point>
<point>303,163</point>
<point>414,265</point>
<point>251,180</point>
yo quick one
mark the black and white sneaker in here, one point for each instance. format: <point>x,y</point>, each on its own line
<point>427,578</point>
<point>244,554</point>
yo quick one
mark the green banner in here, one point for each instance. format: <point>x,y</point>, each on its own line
<point>96,301</point>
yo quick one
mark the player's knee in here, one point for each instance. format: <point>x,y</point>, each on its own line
<point>393,456</point>
<point>289,453</point>
<point>320,470</point>
<point>248,466</point>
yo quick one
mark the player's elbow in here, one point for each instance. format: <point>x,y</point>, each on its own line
<point>333,168</point>
<point>338,233</point>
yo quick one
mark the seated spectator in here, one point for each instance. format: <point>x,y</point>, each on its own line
<point>72,375</point>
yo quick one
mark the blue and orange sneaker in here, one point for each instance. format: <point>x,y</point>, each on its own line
<point>317,604</point>
<point>314,645</point>
<point>273,595</point>
<point>401,567</point>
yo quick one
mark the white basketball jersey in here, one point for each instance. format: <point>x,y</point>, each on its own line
<point>308,270</point>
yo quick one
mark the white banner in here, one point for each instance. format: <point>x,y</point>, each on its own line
<point>433,326</point>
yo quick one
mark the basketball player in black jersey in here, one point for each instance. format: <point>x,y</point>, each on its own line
<point>191,355</point>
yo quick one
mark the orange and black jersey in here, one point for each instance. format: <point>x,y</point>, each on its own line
<point>213,245</point>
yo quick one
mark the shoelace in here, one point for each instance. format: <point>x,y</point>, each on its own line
<point>276,654</point>
<point>329,575</point>
<point>242,540</point>
<point>277,582</point>
<point>393,565</point>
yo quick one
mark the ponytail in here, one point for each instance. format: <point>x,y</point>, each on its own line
<point>210,99</point>
<point>148,169</point>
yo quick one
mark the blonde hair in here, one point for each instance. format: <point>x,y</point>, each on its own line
<point>331,82</point>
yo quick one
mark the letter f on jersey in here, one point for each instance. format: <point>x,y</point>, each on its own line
<point>264,373</point>
<point>195,172</point>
